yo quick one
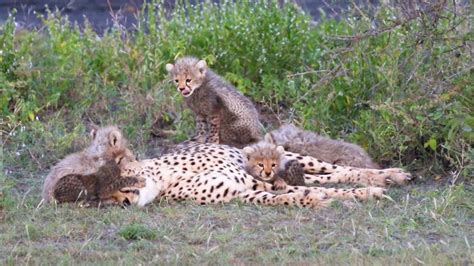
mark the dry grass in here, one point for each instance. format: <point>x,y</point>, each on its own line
<point>423,225</point>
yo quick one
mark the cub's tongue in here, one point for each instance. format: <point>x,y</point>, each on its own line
<point>186,92</point>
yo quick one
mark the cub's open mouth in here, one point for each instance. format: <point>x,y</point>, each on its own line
<point>186,92</point>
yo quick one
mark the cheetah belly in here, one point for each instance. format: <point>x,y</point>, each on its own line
<point>171,175</point>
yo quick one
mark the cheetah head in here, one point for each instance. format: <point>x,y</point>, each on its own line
<point>188,73</point>
<point>108,143</point>
<point>263,160</point>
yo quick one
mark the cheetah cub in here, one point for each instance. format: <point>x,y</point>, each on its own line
<point>223,115</point>
<point>338,152</point>
<point>107,144</point>
<point>100,187</point>
<point>267,162</point>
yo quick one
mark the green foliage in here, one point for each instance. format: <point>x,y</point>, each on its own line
<point>137,231</point>
<point>396,83</point>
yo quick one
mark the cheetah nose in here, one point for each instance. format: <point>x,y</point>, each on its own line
<point>182,89</point>
<point>268,173</point>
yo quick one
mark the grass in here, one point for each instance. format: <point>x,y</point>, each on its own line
<point>397,82</point>
<point>137,231</point>
<point>429,226</point>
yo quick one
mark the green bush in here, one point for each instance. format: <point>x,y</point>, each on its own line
<point>396,81</point>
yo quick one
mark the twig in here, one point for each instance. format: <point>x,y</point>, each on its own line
<point>376,32</point>
<point>40,204</point>
<point>34,159</point>
<point>112,13</point>
<point>306,72</point>
<point>336,72</point>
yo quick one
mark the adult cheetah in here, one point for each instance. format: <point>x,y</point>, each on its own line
<point>212,173</point>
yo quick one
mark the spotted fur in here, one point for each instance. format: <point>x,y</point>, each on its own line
<point>107,144</point>
<point>267,162</point>
<point>223,115</point>
<point>101,187</point>
<point>338,152</point>
<point>211,173</point>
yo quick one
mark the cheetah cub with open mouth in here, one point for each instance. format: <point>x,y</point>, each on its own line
<point>223,114</point>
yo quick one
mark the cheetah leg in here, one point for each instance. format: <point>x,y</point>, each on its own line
<point>279,184</point>
<point>201,129</point>
<point>365,193</point>
<point>214,128</point>
<point>319,172</point>
<point>300,199</point>
<point>213,187</point>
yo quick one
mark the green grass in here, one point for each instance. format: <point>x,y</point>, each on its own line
<point>429,226</point>
<point>137,231</point>
<point>400,86</point>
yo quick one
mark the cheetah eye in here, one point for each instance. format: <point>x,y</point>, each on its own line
<point>176,80</point>
<point>188,80</point>
<point>260,164</point>
<point>119,160</point>
<point>273,165</point>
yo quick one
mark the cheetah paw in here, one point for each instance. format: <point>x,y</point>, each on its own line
<point>315,200</point>
<point>398,176</point>
<point>375,192</point>
<point>279,184</point>
<point>382,178</point>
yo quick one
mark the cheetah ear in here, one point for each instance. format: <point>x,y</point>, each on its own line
<point>247,151</point>
<point>114,137</point>
<point>202,66</point>
<point>93,132</point>
<point>119,159</point>
<point>130,155</point>
<point>169,67</point>
<point>269,138</point>
<point>281,150</point>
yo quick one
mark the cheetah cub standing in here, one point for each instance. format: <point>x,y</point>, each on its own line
<point>101,187</point>
<point>267,162</point>
<point>338,152</point>
<point>223,115</point>
<point>107,144</point>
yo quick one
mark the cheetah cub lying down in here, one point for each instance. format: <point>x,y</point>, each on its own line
<point>80,172</point>
<point>338,152</point>
<point>100,188</point>
<point>267,162</point>
<point>222,114</point>
<point>210,173</point>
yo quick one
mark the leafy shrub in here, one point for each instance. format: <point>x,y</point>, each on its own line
<point>396,80</point>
